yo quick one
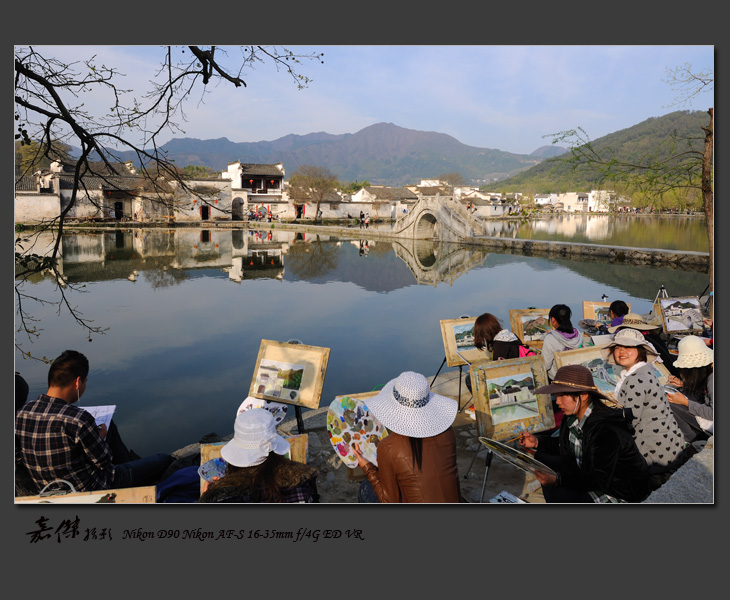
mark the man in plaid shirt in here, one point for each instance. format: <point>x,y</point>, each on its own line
<point>56,440</point>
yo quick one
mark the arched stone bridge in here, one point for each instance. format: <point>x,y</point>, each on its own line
<point>439,218</point>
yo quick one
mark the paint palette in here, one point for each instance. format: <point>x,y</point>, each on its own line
<point>277,409</point>
<point>349,422</point>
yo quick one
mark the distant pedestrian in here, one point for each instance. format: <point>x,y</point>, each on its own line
<point>362,219</point>
<point>367,221</point>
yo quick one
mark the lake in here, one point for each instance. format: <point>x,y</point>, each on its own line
<point>186,310</point>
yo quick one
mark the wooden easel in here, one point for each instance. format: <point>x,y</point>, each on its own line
<point>461,367</point>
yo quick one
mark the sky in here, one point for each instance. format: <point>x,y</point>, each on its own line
<point>509,98</point>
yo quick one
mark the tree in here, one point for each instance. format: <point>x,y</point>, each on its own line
<point>683,165</point>
<point>312,184</point>
<point>452,178</point>
<point>355,186</point>
<point>50,111</point>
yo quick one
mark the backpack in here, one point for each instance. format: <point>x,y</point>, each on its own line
<point>526,351</point>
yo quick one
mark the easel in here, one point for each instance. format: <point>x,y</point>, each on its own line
<point>461,367</point>
<point>297,408</point>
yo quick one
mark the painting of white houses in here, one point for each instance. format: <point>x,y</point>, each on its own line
<point>681,315</point>
<point>512,398</point>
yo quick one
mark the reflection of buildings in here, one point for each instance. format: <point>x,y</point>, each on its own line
<point>123,253</point>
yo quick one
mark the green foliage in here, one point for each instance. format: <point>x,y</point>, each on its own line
<point>354,186</point>
<point>648,159</point>
<point>198,172</point>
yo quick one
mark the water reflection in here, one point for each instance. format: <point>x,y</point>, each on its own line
<point>671,232</point>
<point>187,310</point>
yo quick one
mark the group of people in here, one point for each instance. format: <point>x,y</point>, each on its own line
<point>597,453</point>
<point>364,220</point>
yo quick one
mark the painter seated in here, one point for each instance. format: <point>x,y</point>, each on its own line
<point>256,468</point>
<point>58,444</point>
<point>595,455</point>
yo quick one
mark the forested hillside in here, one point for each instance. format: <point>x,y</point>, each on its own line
<point>663,136</point>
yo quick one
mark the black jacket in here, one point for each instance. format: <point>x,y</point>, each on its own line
<point>611,463</point>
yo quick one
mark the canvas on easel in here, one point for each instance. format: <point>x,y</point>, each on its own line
<point>598,311</point>
<point>605,374</point>
<point>505,401</point>
<point>530,325</point>
<point>681,315</point>
<point>290,373</point>
<point>458,337</point>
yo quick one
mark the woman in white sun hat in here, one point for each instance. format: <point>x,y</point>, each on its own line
<point>644,401</point>
<point>693,406</point>
<point>417,459</point>
<point>256,470</point>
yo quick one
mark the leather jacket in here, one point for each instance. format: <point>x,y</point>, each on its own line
<point>397,479</point>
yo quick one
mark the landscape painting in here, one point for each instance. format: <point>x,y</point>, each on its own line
<point>290,373</point>
<point>598,311</point>
<point>681,315</point>
<point>605,374</point>
<point>530,325</point>
<point>505,401</point>
<point>458,338</point>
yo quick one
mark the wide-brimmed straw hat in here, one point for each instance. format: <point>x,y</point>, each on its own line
<point>407,406</point>
<point>628,337</point>
<point>693,352</point>
<point>572,379</point>
<point>254,437</point>
<point>634,321</point>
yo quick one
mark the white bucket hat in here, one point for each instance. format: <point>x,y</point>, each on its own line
<point>407,406</point>
<point>693,352</point>
<point>628,337</point>
<point>254,437</point>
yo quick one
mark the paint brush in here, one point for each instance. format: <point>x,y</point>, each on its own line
<point>514,438</point>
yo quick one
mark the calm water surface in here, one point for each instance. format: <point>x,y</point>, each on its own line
<point>187,310</point>
<point>672,232</point>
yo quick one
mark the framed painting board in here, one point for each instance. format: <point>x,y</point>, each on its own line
<point>522,460</point>
<point>504,398</point>
<point>289,373</point>
<point>598,311</point>
<point>530,325</point>
<point>458,336</point>
<point>605,375</point>
<point>350,422</point>
<point>681,315</point>
<point>138,495</point>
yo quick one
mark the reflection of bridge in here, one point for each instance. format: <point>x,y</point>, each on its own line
<point>439,218</point>
<point>434,262</point>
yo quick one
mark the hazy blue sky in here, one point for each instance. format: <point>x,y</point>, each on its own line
<point>503,97</point>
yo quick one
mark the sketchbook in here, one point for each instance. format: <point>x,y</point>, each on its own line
<point>102,414</point>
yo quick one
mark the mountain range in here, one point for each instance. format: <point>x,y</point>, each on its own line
<point>386,154</point>
<point>382,154</point>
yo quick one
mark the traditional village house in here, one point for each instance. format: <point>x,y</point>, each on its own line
<point>574,201</point>
<point>601,200</point>
<point>545,200</point>
<point>258,188</point>
<point>116,193</point>
<point>382,202</point>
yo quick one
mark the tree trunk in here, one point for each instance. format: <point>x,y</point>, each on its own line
<point>708,201</point>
